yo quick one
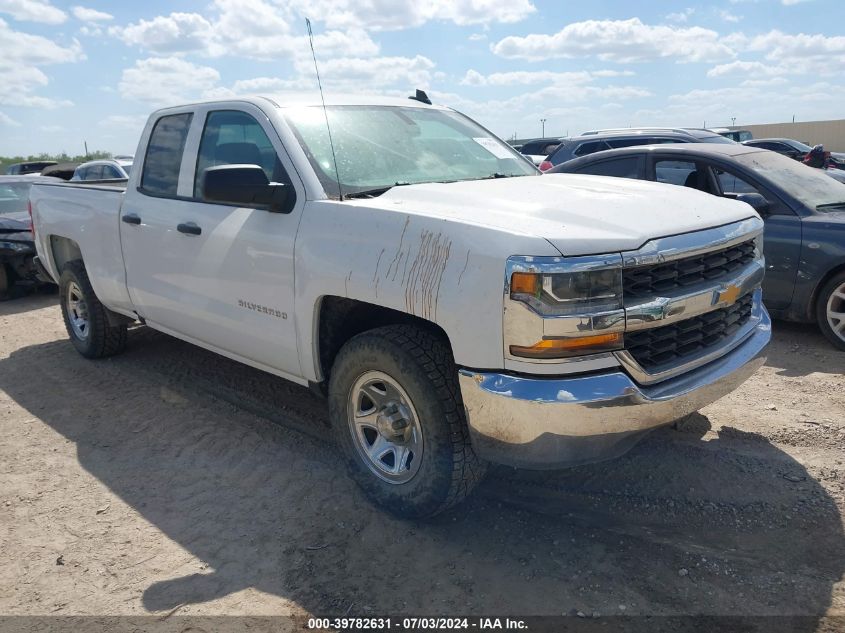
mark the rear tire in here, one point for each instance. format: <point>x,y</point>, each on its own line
<point>830,310</point>
<point>86,319</point>
<point>4,282</point>
<point>398,418</point>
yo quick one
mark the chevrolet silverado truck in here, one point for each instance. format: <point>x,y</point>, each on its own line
<point>455,307</point>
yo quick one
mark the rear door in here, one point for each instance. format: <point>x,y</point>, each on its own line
<point>216,274</point>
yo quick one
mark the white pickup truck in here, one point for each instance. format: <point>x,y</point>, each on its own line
<point>456,307</point>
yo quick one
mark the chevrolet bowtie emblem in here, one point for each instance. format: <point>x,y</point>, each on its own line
<point>728,296</point>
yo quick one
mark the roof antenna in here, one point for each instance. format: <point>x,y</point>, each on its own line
<point>325,112</point>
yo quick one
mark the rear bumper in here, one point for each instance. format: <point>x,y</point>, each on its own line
<point>552,423</point>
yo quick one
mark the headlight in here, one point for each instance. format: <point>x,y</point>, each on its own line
<point>559,294</point>
<point>579,302</point>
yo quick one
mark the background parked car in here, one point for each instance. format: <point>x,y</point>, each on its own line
<point>31,167</point>
<point>803,209</point>
<point>538,148</point>
<point>794,149</point>
<point>111,169</point>
<point>735,135</point>
<point>786,146</point>
<point>17,249</point>
<point>63,171</point>
<point>600,140</point>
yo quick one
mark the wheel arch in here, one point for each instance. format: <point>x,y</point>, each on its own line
<point>814,297</point>
<point>338,319</point>
<point>62,251</point>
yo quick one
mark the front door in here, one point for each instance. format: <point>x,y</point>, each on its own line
<point>216,274</point>
<point>781,237</point>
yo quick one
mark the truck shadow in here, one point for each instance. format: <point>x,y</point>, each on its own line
<point>680,525</point>
<point>801,349</point>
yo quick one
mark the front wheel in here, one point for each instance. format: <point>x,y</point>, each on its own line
<point>830,310</point>
<point>85,317</point>
<point>398,418</point>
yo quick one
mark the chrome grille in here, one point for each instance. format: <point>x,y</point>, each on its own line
<point>675,343</point>
<point>648,281</point>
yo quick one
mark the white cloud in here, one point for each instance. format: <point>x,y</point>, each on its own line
<point>744,68</point>
<point>166,81</point>
<point>727,16</point>
<point>793,54</point>
<point>376,72</point>
<point>33,11</point>
<point>175,33</point>
<point>386,15</point>
<point>5,119</point>
<point>477,37</point>
<point>90,15</point>
<point>791,2</point>
<point>246,28</point>
<point>22,53</point>
<point>526,77</point>
<point>681,16</point>
<point>619,41</point>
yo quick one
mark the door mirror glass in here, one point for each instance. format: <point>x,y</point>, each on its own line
<point>244,185</point>
<point>760,204</point>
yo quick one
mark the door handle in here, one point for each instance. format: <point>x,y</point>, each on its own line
<point>189,228</point>
<point>131,218</point>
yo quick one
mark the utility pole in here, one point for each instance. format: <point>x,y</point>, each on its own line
<point>733,121</point>
<point>86,148</point>
<point>543,127</point>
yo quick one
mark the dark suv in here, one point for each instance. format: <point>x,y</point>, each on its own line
<point>600,140</point>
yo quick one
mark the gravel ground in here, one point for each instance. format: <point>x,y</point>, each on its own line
<point>169,478</point>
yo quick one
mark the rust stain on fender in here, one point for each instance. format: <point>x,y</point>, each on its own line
<point>422,280</point>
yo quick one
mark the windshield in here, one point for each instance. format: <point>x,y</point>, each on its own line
<point>14,197</point>
<point>799,145</point>
<point>811,186</point>
<point>378,147</point>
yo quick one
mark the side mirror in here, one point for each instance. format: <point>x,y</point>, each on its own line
<point>758,202</point>
<point>244,185</point>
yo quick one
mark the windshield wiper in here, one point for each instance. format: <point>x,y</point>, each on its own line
<point>375,191</point>
<point>830,205</point>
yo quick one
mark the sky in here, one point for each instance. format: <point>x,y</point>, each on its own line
<point>92,72</point>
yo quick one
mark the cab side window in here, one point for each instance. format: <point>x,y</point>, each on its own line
<point>232,137</point>
<point>164,155</point>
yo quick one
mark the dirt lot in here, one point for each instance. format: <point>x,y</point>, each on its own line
<point>172,478</point>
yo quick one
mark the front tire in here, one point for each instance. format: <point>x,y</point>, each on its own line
<point>86,319</point>
<point>398,417</point>
<point>830,310</point>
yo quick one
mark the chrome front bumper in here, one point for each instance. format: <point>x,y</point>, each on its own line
<point>547,423</point>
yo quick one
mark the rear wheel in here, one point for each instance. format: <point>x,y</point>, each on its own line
<point>4,282</point>
<point>398,418</point>
<point>830,310</point>
<point>86,319</point>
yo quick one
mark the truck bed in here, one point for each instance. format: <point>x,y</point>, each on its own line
<point>86,216</point>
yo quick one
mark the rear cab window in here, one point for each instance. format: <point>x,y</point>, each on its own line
<point>163,159</point>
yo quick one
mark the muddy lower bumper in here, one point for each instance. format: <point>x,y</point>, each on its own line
<point>547,423</point>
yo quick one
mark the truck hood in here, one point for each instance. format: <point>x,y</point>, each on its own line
<point>577,214</point>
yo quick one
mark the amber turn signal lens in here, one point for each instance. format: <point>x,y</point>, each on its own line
<point>565,347</point>
<point>526,283</point>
